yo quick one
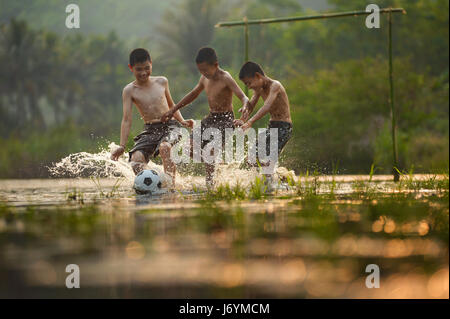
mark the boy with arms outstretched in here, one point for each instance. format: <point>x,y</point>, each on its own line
<point>152,98</point>
<point>219,87</point>
<point>276,103</point>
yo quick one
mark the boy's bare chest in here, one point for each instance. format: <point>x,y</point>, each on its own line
<point>149,96</point>
<point>264,95</point>
<point>213,88</point>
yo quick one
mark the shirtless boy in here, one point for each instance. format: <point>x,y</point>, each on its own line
<point>152,98</point>
<point>219,87</point>
<point>276,103</point>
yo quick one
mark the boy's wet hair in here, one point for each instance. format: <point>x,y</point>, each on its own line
<point>139,55</point>
<point>249,70</point>
<point>207,55</point>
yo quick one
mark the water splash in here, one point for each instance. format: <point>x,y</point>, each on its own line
<point>232,175</point>
<point>84,164</point>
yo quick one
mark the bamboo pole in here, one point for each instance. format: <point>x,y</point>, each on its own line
<point>313,17</point>
<point>391,100</point>
<point>246,47</point>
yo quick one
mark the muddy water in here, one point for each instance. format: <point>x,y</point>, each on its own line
<point>175,245</point>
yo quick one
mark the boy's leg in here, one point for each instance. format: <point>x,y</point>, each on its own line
<point>269,175</point>
<point>209,169</point>
<point>138,162</point>
<point>284,135</point>
<point>268,164</point>
<point>169,166</point>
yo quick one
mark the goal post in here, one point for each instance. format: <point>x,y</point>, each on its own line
<point>245,23</point>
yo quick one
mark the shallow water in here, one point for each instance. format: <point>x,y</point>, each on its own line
<point>177,245</point>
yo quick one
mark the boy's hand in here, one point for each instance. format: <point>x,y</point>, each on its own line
<point>167,116</point>
<point>247,105</point>
<point>188,123</point>
<point>245,114</point>
<point>238,122</point>
<point>117,152</point>
<point>246,126</point>
<point>245,110</point>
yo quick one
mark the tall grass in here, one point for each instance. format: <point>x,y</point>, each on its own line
<point>437,182</point>
<point>114,192</point>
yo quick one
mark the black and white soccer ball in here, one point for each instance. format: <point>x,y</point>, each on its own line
<point>147,182</point>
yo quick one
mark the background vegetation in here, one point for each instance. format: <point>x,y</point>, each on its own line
<point>60,89</point>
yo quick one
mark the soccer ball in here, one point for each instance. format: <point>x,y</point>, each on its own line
<point>147,181</point>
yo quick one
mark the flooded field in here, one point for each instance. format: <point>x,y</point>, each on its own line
<point>312,240</point>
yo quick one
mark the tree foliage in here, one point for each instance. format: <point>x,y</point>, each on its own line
<point>335,72</point>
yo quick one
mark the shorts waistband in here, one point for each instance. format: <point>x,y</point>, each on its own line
<point>221,115</point>
<point>160,123</point>
<point>280,124</point>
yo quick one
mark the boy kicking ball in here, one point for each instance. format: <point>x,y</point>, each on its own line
<point>219,87</point>
<point>152,98</point>
<point>276,103</point>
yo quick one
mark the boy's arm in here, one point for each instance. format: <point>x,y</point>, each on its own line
<point>177,115</point>
<point>251,106</point>
<point>187,99</point>
<point>126,123</point>
<point>274,90</point>
<point>247,109</point>
<point>236,90</point>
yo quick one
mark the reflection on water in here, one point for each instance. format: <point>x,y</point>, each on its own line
<point>176,245</point>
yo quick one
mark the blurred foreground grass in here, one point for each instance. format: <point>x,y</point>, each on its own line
<point>314,240</point>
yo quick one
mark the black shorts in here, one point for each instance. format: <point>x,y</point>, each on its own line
<point>219,120</point>
<point>154,134</point>
<point>284,134</point>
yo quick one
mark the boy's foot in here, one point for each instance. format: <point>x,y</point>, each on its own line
<point>272,185</point>
<point>209,184</point>
<point>268,182</point>
<point>168,181</point>
<point>280,187</point>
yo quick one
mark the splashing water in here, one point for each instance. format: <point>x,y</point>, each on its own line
<point>84,164</point>
<point>232,175</point>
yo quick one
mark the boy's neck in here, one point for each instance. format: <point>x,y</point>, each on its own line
<point>266,82</point>
<point>216,75</point>
<point>142,83</point>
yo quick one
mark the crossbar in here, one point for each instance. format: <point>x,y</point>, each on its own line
<point>313,17</point>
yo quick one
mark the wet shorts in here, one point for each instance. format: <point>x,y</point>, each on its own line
<point>219,120</point>
<point>284,134</point>
<point>154,134</point>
